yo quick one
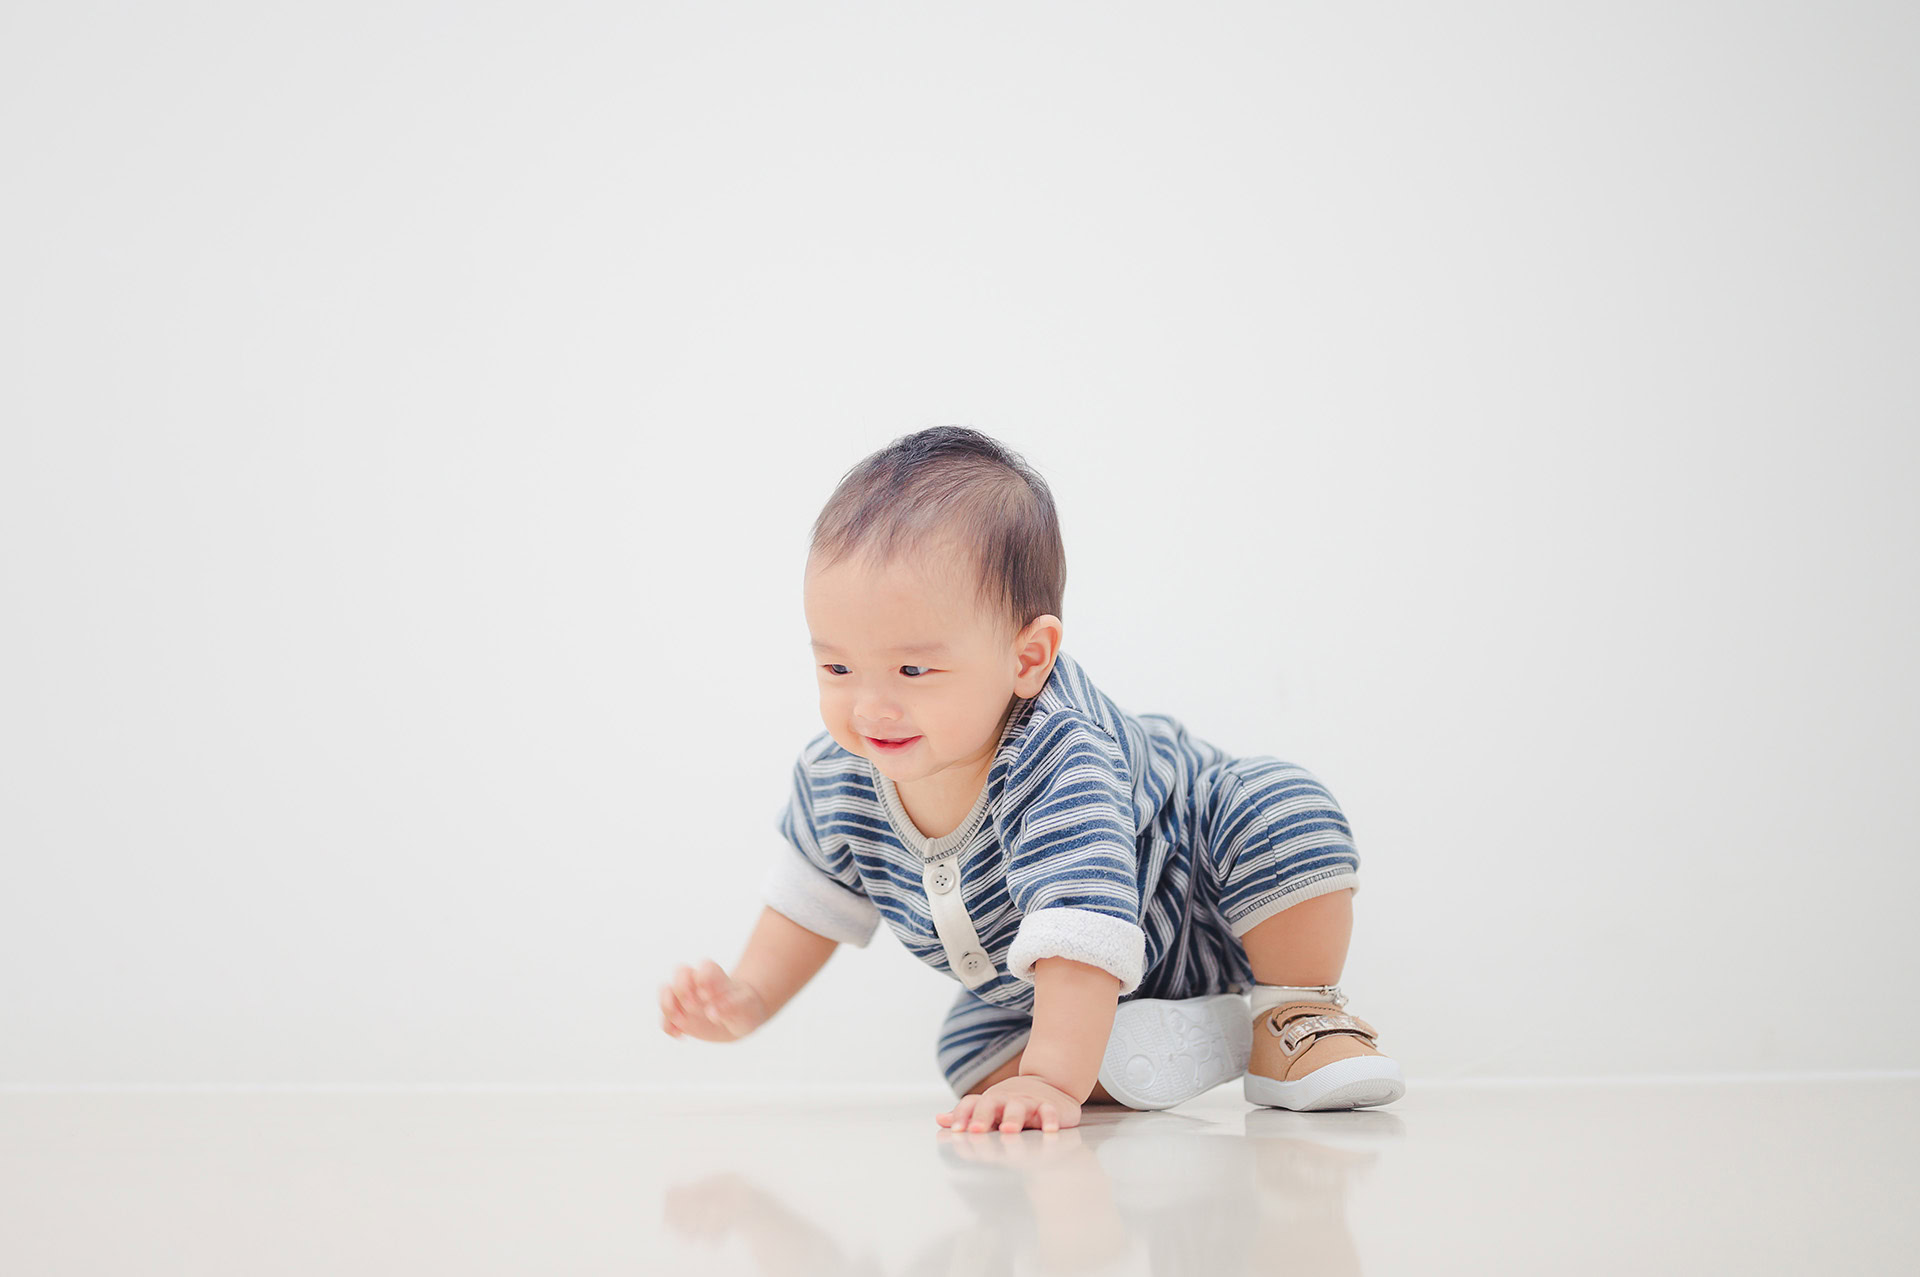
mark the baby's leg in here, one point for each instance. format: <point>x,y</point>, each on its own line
<point>1012,1067</point>
<point>1304,944</point>
<point>1279,853</point>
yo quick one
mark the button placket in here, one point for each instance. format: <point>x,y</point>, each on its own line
<point>940,876</point>
<point>966,956</point>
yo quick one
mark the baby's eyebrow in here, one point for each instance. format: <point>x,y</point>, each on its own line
<point>914,649</point>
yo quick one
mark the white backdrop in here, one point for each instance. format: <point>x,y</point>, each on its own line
<point>413,415</point>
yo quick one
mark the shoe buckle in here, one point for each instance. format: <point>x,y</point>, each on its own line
<point>1301,1028</point>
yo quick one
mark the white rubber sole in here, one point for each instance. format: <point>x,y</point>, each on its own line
<point>1163,1052</point>
<point>1359,1081</point>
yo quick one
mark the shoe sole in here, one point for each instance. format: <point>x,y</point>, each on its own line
<point>1162,1052</point>
<point>1358,1081</point>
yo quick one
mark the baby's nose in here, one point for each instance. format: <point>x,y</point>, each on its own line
<point>877,713</point>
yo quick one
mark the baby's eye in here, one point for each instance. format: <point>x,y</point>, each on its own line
<point>916,667</point>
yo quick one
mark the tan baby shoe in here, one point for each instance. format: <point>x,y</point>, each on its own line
<point>1308,1054</point>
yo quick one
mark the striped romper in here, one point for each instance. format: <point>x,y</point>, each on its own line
<point>1114,839</point>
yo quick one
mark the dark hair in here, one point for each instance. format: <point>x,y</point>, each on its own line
<point>953,482</point>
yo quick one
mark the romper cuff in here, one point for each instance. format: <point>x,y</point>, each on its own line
<point>1097,939</point>
<point>795,888</point>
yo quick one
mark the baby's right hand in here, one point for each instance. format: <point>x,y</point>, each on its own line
<point>705,1002</point>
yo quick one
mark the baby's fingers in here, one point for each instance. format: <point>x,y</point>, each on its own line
<point>695,1017</point>
<point>985,1114</point>
<point>711,983</point>
<point>698,995</point>
<point>1016,1117</point>
<point>711,980</point>
<point>673,1019</point>
<point>683,986</point>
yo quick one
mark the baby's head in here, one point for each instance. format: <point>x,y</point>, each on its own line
<point>933,596</point>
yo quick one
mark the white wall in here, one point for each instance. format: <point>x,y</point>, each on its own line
<point>413,416</point>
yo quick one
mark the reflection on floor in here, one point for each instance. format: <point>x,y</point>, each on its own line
<point>1745,1176</point>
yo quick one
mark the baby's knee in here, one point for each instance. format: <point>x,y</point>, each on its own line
<point>1012,1069</point>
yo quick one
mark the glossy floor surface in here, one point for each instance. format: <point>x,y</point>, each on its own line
<point>1743,1177</point>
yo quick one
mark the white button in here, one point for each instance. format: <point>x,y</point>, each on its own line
<point>973,962</point>
<point>942,878</point>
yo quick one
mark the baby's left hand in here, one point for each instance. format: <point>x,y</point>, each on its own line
<point>1015,1104</point>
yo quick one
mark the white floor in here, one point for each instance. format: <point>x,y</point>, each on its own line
<point>1740,1177</point>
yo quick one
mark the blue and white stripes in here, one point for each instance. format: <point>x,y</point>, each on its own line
<point>1110,838</point>
<point>1071,850</point>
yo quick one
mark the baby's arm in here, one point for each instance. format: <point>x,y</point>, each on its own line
<point>781,956</point>
<point>705,1002</point>
<point>1073,1009</point>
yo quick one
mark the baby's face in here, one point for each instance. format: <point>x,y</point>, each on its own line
<point>902,651</point>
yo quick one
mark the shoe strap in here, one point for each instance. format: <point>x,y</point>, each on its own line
<point>1300,1029</point>
<point>1273,995</point>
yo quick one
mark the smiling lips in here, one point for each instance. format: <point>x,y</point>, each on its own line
<point>897,743</point>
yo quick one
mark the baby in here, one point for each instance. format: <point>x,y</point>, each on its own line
<point>1133,916</point>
